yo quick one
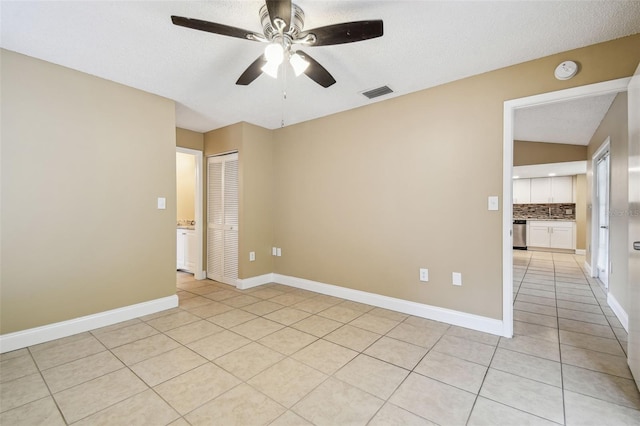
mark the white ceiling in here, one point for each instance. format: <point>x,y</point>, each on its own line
<point>552,169</point>
<point>426,43</point>
<point>570,122</point>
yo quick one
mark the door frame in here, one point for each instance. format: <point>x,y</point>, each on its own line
<point>199,273</point>
<point>604,149</point>
<point>510,106</point>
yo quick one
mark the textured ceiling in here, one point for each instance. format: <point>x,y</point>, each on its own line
<point>551,169</point>
<point>571,122</point>
<point>426,43</point>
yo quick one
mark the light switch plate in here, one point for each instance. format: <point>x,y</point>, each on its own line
<point>493,203</point>
<point>278,252</point>
<point>252,256</point>
<point>162,203</point>
<point>274,251</point>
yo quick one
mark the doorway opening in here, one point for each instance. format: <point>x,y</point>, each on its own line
<point>189,248</point>
<point>600,214</point>
<point>510,107</point>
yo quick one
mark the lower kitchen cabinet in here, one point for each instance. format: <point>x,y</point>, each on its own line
<point>186,246</point>
<point>551,234</point>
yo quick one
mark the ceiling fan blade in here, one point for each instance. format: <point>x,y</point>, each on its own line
<point>347,32</point>
<point>280,9</point>
<point>212,27</point>
<point>252,72</point>
<point>317,72</point>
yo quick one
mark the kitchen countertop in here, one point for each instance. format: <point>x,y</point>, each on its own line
<point>187,227</point>
<point>548,219</point>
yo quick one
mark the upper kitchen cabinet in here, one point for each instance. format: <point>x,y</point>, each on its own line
<point>557,189</point>
<point>522,191</point>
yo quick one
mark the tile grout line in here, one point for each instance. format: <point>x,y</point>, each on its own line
<point>603,288</point>
<point>564,408</point>
<point>484,377</point>
<point>522,279</point>
<point>55,401</point>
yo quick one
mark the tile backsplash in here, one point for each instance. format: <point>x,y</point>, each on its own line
<point>544,211</point>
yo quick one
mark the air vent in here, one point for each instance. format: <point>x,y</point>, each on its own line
<point>380,91</point>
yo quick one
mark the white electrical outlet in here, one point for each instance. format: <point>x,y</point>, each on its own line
<point>252,256</point>
<point>456,277</point>
<point>424,274</point>
<point>278,252</point>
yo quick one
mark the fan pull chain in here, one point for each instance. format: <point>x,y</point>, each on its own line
<point>284,98</point>
<point>284,93</point>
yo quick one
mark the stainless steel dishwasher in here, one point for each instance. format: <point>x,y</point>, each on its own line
<point>520,234</point>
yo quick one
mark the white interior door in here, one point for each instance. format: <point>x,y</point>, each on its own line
<point>222,218</point>
<point>602,192</point>
<point>633,346</point>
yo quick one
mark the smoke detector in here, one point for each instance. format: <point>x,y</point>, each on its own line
<point>566,70</point>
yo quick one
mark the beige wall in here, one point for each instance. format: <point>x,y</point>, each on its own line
<point>614,126</point>
<point>185,186</point>
<point>527,153</point>
<point>361,199</point>
<point>83,161</point>
<point>580,185</point>
<point>365,198</point>
<point>189,139</point>
<point>256,162</point>
<point>255,152</point>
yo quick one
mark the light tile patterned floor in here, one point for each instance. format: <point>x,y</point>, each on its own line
<point>282,356</point>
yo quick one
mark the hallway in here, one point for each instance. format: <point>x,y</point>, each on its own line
<point>562,316</point>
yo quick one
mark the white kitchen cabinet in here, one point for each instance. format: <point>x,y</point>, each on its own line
<point>191,249</point>
<point>186,249</point>
<point>551,234</point>
<point>180,248</point>
<point>540,190</point>
<point>557,189</point>
<point>562,189</point>
<point>562,238</point>
<point>537,234</point>
<point>521,191</point>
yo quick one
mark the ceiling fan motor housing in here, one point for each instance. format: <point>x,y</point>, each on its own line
<point>295,27</point>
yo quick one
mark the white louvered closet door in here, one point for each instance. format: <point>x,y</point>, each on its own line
<point>222,218</point>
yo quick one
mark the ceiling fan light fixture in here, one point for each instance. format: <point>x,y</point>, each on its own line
<point>298,63</point>
<point>271,69</point>
<point>274,53</point>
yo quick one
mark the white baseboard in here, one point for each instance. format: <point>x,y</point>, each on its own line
<point>618,310</point>
<point>587,268</point>
<point>33,336</point>
<point>449,316</point>
<point>581,252</point>
<point>254,281</point>
<point>202,275</point>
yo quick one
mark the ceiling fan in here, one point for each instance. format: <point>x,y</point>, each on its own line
<point>283,23</point>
